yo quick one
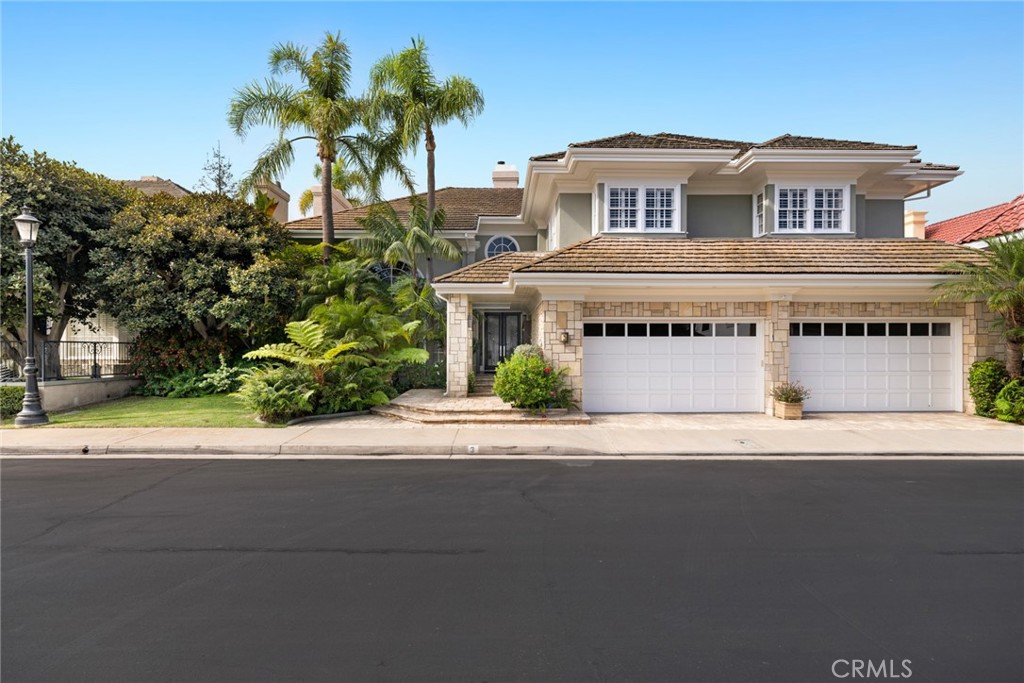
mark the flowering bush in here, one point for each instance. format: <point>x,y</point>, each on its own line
<point>790,392</point>
<point>528,381</point>
<point>159,355</point>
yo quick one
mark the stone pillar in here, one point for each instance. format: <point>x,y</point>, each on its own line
<point>776,346</point>
<point>550,320</point>
<point>459,354</point>
<point>981,340</point>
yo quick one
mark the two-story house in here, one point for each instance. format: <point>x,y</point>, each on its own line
<point>671,273</point>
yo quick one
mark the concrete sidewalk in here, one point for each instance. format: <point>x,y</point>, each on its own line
<point>611,436</point>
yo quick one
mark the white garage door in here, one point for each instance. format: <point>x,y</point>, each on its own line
<point>672,367</point>
<point>861,365</point>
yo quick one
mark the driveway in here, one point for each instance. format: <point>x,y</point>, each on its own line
<point>254,571</point>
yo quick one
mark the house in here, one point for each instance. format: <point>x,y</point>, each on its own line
<point>972,229</point>
<point>672,273</point>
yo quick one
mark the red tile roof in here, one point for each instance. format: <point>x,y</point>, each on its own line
<point>977,225</point>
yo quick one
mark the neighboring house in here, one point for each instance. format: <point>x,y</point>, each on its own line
<point>671,273</point>
<point>482,221</point>
<point>972,229</point>
<point>106,329</point>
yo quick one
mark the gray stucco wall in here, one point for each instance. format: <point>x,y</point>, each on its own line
<point>883,218</point>
<point>526,243</point>
<point>574,218</point>
<point>719,215</point>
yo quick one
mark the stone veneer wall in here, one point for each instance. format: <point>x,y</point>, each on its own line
<point>459,354</point>
<point>549,320</point>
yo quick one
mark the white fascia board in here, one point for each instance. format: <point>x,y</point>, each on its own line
<point>836,156</point>
<point>575,155</point>
<point>443,288</point>
<point>982,244</point>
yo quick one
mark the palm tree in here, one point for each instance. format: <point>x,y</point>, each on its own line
<point>1000,281</point>
<point>404,90</point>
<point>351,184</point>
<point>393,242</point>
<point>321,110</point>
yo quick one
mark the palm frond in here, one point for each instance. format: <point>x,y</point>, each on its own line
<point>269,104</point>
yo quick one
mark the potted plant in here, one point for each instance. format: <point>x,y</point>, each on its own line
<point>789,400</point>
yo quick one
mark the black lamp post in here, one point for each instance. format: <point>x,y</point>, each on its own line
<point>32,412</point>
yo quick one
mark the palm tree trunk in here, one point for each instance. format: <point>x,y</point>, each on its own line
<point>1013,358</point>
<point>327,207</point>
<point>431,145</point>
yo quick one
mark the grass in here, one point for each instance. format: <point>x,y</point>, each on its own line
<point>149,411</point>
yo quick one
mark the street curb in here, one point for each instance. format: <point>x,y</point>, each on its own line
<point>498,452</point>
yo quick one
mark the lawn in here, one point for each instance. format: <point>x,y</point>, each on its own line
<point>149,411</point>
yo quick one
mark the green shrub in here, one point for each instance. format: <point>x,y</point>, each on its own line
<point>986,378</point>
<point>358,390</point>
<point>185,384</point>
<point>1009,404</point>
<point>790,392</point>
<point>225,379</point>
<point>11,399</point>
<point>278,394</point>
<point>527,381</point>
<point>419,376</point>
<point>168,355</point>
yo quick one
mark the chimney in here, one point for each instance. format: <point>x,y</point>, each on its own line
<point>913,224</point>
<point>505,175</point>
<point>338,201</point>
<point>278,197</point>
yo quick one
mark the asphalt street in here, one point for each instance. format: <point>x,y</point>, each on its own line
<point>252,571</point>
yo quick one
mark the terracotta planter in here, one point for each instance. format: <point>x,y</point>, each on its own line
<point>789,411</point>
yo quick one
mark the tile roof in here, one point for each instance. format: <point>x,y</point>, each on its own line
<point>492,270</point>
<point>769,256</point>
<point>977,225</point>
<point>151,185</point>
<point>794,255</point>
<point>675,141</point>
<point>462,206</point>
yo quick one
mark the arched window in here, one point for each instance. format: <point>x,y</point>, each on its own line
<point>388,273</point>
<point>501,244</point>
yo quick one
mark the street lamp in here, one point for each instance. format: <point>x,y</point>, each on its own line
<point>32,412</point>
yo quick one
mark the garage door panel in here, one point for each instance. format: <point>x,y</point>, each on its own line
<point>900,365</point>
<point>716,370</point>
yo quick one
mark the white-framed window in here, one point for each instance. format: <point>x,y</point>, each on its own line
<point>759,213</point>
<point>500,244</point>
<point>642,207</point>
<point>812,209</point>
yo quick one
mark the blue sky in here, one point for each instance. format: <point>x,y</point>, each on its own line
<point>132,89</point>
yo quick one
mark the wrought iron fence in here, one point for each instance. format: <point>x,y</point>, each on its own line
<point>67,360</point>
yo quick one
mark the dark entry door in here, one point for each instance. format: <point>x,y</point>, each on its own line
<point>501,337</point>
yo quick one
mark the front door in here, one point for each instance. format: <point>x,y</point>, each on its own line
<point>501,337</point>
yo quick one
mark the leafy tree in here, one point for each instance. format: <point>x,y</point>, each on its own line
<point>75,209</point>
<point>1000,282</point>
<point>217,177</point>
<point>392,241</point>
<point>404,90</point>
<point>207,263</point>
<point>310,348</point>
<point>351,184</point>
<point>321,109</point>
<point>348,279</point>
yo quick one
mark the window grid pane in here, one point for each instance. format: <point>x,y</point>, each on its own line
<point>828,209</point>
<point>792,209</point>
<point>658,208</point>
<point>622,208</point>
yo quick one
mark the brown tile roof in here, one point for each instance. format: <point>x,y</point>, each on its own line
<point>462,206</point>
<point>151,185</point>
<point>768,256</point>
<point>492,270</point>
<point>676,141</point>
<point>977,225</point>
<point>794,255</point>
